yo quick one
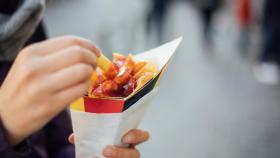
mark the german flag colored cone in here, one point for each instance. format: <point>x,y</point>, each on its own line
<point>98,122</point>
<point>93,131</point>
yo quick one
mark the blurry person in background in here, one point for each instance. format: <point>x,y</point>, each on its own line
<point>267,70</point>
<point>207,9</point>
<point>159,9</point>
<point>156,18</point>
<point>244,17</point>
<point>34,122</point>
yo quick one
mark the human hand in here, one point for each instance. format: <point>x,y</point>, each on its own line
<point>133,137</point>
<point>43,80</point>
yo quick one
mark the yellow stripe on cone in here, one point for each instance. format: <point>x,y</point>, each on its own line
<point>78,105</point>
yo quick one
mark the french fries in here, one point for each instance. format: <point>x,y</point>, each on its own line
<point>104,63</point>
<point>121,77</point>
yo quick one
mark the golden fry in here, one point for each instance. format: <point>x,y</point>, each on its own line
<point>149,67</point>
<point>104,63</point>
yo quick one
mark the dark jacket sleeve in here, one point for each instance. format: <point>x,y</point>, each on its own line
<point>22,150</point>
<point>57,133</point>
<point>56,143</point>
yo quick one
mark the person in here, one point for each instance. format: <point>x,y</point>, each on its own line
<point>266,70</point>
<point>40,84</point>
<point>156,18</point>
<point>244,20</point>
<point>207,9</point>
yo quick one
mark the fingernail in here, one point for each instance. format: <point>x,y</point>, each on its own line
<point>110,151</point>
<point>129,139</point>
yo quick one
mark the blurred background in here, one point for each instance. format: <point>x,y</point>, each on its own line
<point>220,96</point>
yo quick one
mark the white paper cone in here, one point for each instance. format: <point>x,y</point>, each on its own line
<point>94,131</point>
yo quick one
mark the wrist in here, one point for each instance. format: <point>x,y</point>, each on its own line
<point>12,137</point>
<point>22,149</point>
<point>12,129</point>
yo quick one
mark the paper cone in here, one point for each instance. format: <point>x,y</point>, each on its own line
<point>94,131</point>
<point>101,122</point>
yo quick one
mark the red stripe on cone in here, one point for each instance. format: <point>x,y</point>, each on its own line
<point>103,105</point>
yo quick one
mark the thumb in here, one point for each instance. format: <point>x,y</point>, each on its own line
<point>71,139</point>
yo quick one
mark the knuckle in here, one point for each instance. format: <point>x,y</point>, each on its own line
<point>81,89</point>
<point>85,87</point>
<point>33,90</point>
<point>84,70</point>
<point>73,40</point>
<point>32,68</point>
<point>94,59</point>
<point>79,53</point>
<point>29,50</point>
<point>27,71</point>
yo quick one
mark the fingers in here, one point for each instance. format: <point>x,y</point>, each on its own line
<point>71,139</point>
<point>135,137</point>
<point>65,97</point>
<point>68,77</point>
<point>69,56</point>
<point>115,152</point>
<point>56,44</point>
<point>118,152</point>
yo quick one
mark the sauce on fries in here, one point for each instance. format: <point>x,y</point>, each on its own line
<point>121,77</point>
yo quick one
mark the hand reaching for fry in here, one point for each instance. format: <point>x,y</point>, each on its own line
<point>40,84</point>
